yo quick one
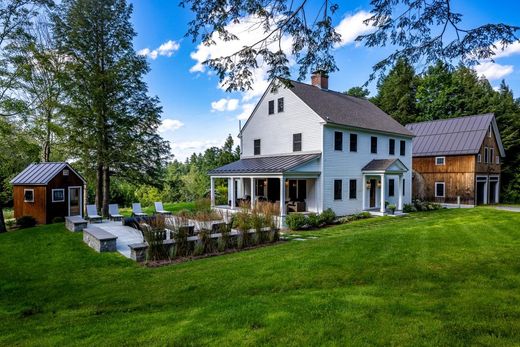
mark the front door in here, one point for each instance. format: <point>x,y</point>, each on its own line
<point>75,204</point>
<point>373,184</point>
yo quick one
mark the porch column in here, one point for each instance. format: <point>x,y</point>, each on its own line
<point>282,197</point>
<point>212,191</point>
<point>232,190</point>
<point>363,187</point>
<point>382,193</point>
<point>253,197</point>
<point>400,192</point>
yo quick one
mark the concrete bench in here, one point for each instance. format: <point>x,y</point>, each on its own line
<point>138,251</point>
<point>75,223</point>
<point>99,239</point>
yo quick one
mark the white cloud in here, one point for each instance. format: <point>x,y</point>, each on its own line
<point>507,51</point>
<point>224,105</point>
<point>166,49</point>
<point>493,71</point>
<point>247,109</point>
<point>170,125</point>
<point>352,26</point>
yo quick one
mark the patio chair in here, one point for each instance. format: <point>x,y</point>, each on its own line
<point>113,213</point>
<point>137,211</point>
<point>159,209</point>
<point>92,214</point>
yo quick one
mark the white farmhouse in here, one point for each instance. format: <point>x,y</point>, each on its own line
<point>312,149</point>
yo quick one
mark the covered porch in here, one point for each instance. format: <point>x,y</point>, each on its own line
<point>383,184</point>
<point>290,181</point>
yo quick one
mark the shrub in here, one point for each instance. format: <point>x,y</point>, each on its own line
<point>408,208</point>
<point>354,217</point>
<point>296,221</point>
<point>313,220</point>
<point>154,233</point>
<point>203,205</point>
<point>426,206</point>
<point>328,216</point>
<point>147,195</point>
<point>58,220</point>
<point>26,222</point>
<point>392,208</point>
<point>181,242</point>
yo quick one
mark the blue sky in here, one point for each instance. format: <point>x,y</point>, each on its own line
<point>198,114</point>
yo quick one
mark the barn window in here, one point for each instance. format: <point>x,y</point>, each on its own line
<point>491,155</point>
<point>28,195</point>
<point>486,155</point>
<point>439,189</point>
<point>58,195</point>
<point>440,160</point>
<point>479,158</point>
<point>497,160</point>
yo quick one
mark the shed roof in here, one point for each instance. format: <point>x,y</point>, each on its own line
<point>274,164</point>
<point>41,173</point>
<point>454,136</point>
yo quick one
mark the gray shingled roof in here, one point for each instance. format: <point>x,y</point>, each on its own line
<point>275,164</point>
<point>338,108</point>
<point>455,136</point>
<point>381,164</point>
<point>40,174</point>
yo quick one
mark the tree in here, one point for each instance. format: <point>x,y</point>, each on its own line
<point>420,30</point>
<point>397,93</point>
<point>358,92</point>
<point>112,121</point>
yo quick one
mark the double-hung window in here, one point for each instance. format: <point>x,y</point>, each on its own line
<point>271,107</point>
<point>352,189</point>
<point>353,142</point>
<point>373,144</point>
<point>338,140</point>
<point>257,145</point>
<point>391,146</point>
<point>297,142</point>
<point>338,187</point>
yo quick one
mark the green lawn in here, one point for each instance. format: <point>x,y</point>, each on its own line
<point>172,207</point>
<point>441,278</point>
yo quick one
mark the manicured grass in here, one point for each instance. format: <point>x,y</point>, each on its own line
<point>172,207</point>
<point>442,278</point>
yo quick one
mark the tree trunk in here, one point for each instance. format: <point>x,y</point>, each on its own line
<point>3,229</point>
<point>46,156</point>
<point>99,186</point>
<point>106,190</point>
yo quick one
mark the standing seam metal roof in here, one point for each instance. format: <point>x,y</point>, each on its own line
<point>40,173</point>
<point>454,136</point>
<point>275,164</point>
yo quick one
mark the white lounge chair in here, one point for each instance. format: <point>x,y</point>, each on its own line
<point>137,211</point>
<point>113,212</point>
<point>92,214</point>
<point>159,209</point>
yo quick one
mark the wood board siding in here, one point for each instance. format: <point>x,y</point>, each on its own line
<point>37,209</point>
<point>61,209</point>
<point>489,168</point>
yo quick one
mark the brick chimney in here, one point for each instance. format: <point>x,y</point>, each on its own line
<point>320,79</point>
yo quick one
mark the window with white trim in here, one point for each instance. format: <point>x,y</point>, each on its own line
<point>271,107</point>
<point>497,160</point>
<point>439,189</point>
<point>280,105</point>
<point>58,195</point>
<point>486,155</point>
<point>352,189</point>
<point>479,158</point>
<point>256,146</point>
<point>338,189</point>
<point>440,160</point>
<point>491,155</point>
<point>28,195</point>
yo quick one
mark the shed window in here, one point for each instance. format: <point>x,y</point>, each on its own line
<point>297,142</point>
<point>391,146</point>
<point>353,142</point>
<point>391,187</point>
<point>338,187</point>
<point>338,140</point>
<point>280,105</point>
<point>440,160</point>
<point>257,147</point>
<point>28,195</point>
<point>439,189</point>
<point>58,195</point>
<point>373,144</point>
<point>352,189</point>
<point>271,106</point>
<point>65,172</point>
<point>403,147</point>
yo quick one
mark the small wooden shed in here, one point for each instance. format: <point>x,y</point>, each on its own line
<point>48,190</point>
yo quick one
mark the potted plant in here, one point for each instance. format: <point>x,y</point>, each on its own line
<point>392,208</point>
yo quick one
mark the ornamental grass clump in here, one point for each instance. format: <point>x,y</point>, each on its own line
<point>154,233</point>
<point>243,224</point>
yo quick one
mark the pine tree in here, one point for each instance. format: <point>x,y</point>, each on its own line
<point>397,93</point>
<point>112,121</point>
